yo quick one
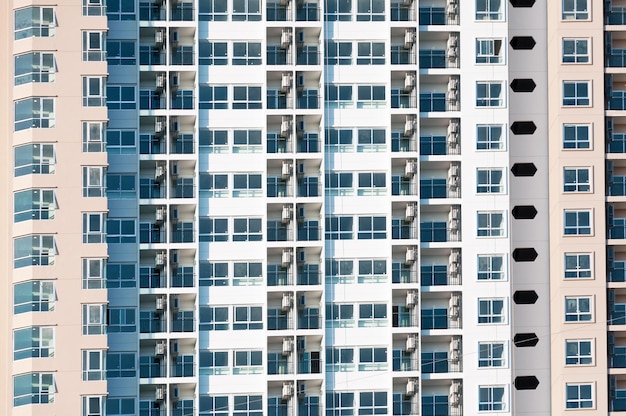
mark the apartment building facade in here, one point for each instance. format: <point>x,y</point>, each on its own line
<point>246,207</point>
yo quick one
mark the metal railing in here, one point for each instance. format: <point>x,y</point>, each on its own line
<point>438,233</point>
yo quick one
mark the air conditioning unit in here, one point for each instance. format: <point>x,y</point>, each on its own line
<point>409,82</point>
<point>174,348</point>
<point>411,388</point>
<point>409,127</point>
<point>286,258</point>
<point>159,215</point>
<point>160,82</point>
<point>285,216</point>
<point>455,345</point>
<point>159,394</point>
<point>160,259</point>
<point>285,127</point>
<point>411,256</point>
<point>301,305</point>
<point>455,356</point>
<point>410,168</point>
<point>411,299</point>
<point>453,128</point>
<point>175,304</point>
<point>409,39</point>
<point>452,9</point>
<point>285,171</point>
<point>411,343</point>
<point>174,216</point>
<point>300,37</point>
<point>452,54</point>
<point>285,82</point>
<point>285,303</point>
<point>160,349</point>
<point>287,346</point>
<point>159,126</point>
<point>174,37</point>
<point>301,389</point>
<point>407,3</point>
<point>300,81</point>
<point>453,268</point>
<point>285,39</point>
<point>454,171</point>
<point>175,395</point>
<point>409,213</point>
<point>174,171</point>
<point>300,214</point>
<point>301,169</point>
<point>453,41</point>
<point>453,95</point>
<point>175,83</point>
<point>455,394</point>
<point>301,344</point>
<point>453,84</point>
<point>455,301</point>
<point>287,391</point>
<point>161,303</point>
<point>300,127</point>
<point>159,38</point>
<point>455,256</point>
<point>301,256</point>
<point>174,258</point>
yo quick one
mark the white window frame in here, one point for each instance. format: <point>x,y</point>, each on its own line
<point>487,14</point>
<point>94,273</point>
<point>94,318</point>
<point>94,181</point>
<point>575,228</point>
<point>40,70</point>
<point>94,136</point>
<point>489,51</point>
<point>489,100</point>
<point>574,13</point>
<point>94,46</point>
<point>94,227</point>
<point>489,272</point>
<point>37,28</point>
<point>487,357</point>
<point>576,271</point>
<point>42,113</point>
<point>491,404</point>
<point>578,99</point>
<point>489,231</point>
<point>41,345</point>
<point>578,402</point>
<point>576,56</point>
<point>94,91</point>
<point>574,179</point>
<point>573,356</point>
<point>248,367</point>
<point>485,181</point>
<point>94,365</point>
<point>492,317</point>
<point>41,392</point>
<point>488,137</point>
<point>576,309</point>
<point>577,130</point>
<point>93,405</point>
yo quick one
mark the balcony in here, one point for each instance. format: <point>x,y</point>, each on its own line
<point>183,322</point>
<point>403,361</point>
<point>278,56</point>
<point>307,55</point>
<point>278,320</point>
<point>183,145</point>
<point>277,100</point>
<point>402,273</point>
<point>148,189</point>
<point>437,188</point>
<point>151,322</point>
<point>183,233</point>
<point>277,364</point>
<point>310,363</point>
<point>401,230</point>
<point>151,278</point>
<point>182,100</point>
<point>183,55</point>
<point>402,317</point>
<point>402,143</point>
<point>309,187</point>
<point>151,100</point>
<point>278,188</point>
<point>617,229</point>
<point>307,12</point>
<point>402,56</point>
<point>183,277</point>
<point>309,275</point>
<point>402,13</point>
<point>277,144</point>
<point>151,367</point>
<point>616,185</point>
<point>308,100</point>
<point>149,55</point>
<point>278,276</point>
<point>150,144</point>
<point>182,12</point>
<point>309,143</point>
<point>151,233</point>
<point>309,231</point>
<point>439,318</point>
<point>617,101</point>
<point>277,231</point>
<point>616,143</point>
<point>184,366</point>
<point>184,188</point>
<point>616,58</point>
<point>402,99</point>
<point>617,357</point>
<point>437,146</point>
<point>438,232</point>
<point>429,59</point>
<point>276,12</point>
<point>437,102</point>
<point>403,187</point>
<point>439,362</point>
<point>309,318</point>
<point>150,12</point>
<point>616,16</point>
